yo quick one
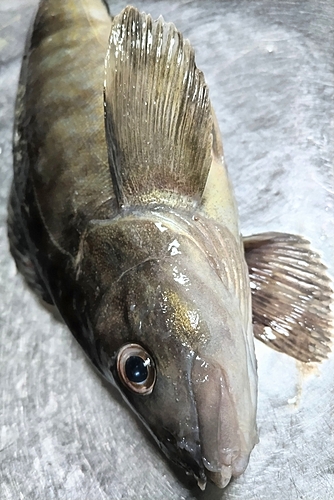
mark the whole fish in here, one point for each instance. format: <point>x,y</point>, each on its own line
<point>122,215</point>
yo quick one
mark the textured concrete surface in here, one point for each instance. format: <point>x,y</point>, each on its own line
<point>63,433</point>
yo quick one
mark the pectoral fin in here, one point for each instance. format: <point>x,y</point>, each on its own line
<point>291,294</point>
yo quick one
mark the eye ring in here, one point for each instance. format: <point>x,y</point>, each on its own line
<point>136,369</point>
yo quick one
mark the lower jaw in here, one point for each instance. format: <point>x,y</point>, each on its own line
<point>221,478</point>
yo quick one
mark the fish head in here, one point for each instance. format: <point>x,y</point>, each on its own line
<point>170,336</point>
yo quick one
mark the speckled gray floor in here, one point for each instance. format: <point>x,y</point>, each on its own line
<point>63,434</point>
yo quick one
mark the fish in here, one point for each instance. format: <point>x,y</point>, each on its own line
<point>122,216</point>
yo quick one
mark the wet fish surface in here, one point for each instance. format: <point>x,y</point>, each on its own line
<point>122,215</point>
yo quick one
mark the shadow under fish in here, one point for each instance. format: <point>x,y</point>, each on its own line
<point>122,215</point>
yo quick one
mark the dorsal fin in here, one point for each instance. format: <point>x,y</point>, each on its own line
<point>158,113</point>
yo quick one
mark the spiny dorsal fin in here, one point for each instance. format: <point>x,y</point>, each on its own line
<point>158,113</point>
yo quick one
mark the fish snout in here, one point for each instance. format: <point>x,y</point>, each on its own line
<point>223,448</point>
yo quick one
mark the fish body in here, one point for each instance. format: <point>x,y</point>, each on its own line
<point>122,215</point>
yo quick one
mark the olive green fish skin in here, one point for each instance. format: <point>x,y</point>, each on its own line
<point>172,280</point>
<point>58,106</point>
<point>64,108</point>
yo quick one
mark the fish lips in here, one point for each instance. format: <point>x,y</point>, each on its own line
<point>215,450</point>
<point>224,452</point>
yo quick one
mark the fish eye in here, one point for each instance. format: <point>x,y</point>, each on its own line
<point>135,368</point>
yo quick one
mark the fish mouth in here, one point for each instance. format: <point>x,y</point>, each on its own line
<point>198,466</point>
<point>223,475</point>
<point>225,453</point>
<point>220,478</point>
<point>215,450</point>
<point>217,445</point>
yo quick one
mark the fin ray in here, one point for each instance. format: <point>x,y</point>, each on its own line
<point>291,295</point>
<point>158,113</point>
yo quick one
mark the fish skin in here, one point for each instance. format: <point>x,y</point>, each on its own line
<point>79,242</point>
<point>171,277</point>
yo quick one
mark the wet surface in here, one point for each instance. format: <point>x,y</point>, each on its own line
<point>63,433</point>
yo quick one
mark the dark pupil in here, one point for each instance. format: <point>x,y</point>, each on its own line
<point>135,369</point>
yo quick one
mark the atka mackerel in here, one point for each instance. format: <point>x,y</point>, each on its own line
<point>121,214</point>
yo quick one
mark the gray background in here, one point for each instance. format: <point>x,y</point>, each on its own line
<point>63,433</point>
